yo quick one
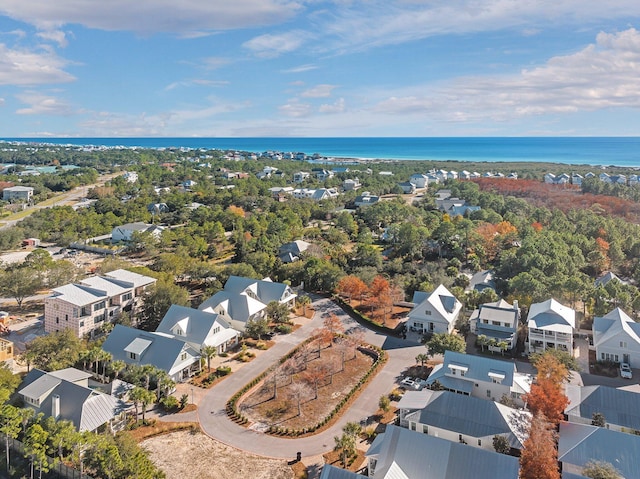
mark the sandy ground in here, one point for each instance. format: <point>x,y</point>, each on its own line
<point>185,454</point>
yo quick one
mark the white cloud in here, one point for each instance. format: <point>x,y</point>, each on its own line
<point>24,67</point>
<point>295,109</point>
<point>318,91</point>
<point>337,107</point>
<point>214,63</point>
<point>57,36</point>
<point>195,82</point>
<point>1,101</point>
<point>271,46</point>
<point>188,17</point>
<point>601,75</point>
<point>41,104</point>
<point>301,68</point>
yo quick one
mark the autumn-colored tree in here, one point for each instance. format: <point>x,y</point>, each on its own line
<point>381,297</point>
<point>332,323</point>
<point>539,456</point>
<point>314,375</point>
<point>550,367</point>
<point>236,211</point>
<point>323,337</point>
<point>379,286</point>
<point>352,287</point>
<point>546,397</point>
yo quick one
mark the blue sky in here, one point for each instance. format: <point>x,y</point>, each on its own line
<point>223,68</point>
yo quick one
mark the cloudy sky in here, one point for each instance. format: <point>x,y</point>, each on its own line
<point>319,68</point>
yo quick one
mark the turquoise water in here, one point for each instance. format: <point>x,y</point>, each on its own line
<point>619,151</point>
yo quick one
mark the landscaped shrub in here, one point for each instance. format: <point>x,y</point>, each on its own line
<point>169,403</point>
<point>223,370</point>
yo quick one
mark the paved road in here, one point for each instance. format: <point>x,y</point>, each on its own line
<point>214,421</point>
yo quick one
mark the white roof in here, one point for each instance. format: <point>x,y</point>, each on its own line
<point>104,284</point>
<point>131,277</point>
<point>553,316</point>
<point>78,294</point>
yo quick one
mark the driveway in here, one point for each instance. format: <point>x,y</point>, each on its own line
<point>214,420</point>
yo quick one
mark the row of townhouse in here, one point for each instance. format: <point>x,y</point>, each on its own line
<point>576,178</point>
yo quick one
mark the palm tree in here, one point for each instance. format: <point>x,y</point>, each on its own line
<point>346,444</point>
<point>422,358</point>
<point>116,367</point>
<point>209,352</point>
<point>304,301</point>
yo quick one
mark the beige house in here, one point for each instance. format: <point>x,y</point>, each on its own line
<point>86,306</point>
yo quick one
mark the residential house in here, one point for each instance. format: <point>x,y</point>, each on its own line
<point>130,176</point>
<point>281,193</point>
<point>604,177</point>
<point>618,179</point>
<point>621,409</point>
<point>321,174</point>
<point>66,395</point>
<point>399,453</point>
<point>465,175</point>
<point>174,356</point>
<point>385,173</point>
<point>443,194</point>
<point>606,278</point>
<point>198,328</point>
<point>434,312</point>
<point>512,176</point>
<point>482,280</point>
<point>332,472</point>
<point>290,252</point>
<point>316,195</point>
<point>407,187</point>
<point>410,402</point>
<point>442,175</point>
<point>365,199</point>
<point>17,193</point>
<point>351,184</point>
<point>469,420</point>
<point>89,304</point>
<point>481,377</point>
<point>498,322</point>
<point>244,299</point>
<point>452,175</point>
<point>576,179</point>
<point>432,179</point>
<point>633,180</point>
<point>579,444</point>
<point>551,326</point>
<point>300,176</point>
<point>589,175</point>
<point>419,180</point>
<point>616,337</point>
<point>126,231</point>
<point>187,184</point>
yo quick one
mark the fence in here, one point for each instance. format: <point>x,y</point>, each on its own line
<point>57,470</point>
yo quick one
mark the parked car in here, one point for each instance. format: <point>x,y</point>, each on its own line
<point>408,383</point>
<point>625,371</point>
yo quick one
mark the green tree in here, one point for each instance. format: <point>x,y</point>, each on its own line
<point>346,445</point>
<point>304,301</point>
<point>277,312</point>
<point>441,342</point>
<point>10,422</point>
<point>501,444</point>
<point>598,419</point>
<point>600,470</point>
<point>55,351</point>
<point>209,352</point>
<point>8,382</point>
<point>422,358</point>
<point>255,328</point>
<point>35,448</point>
<point>384,403</point>
<point>157,301</point>
<point>18,283</point>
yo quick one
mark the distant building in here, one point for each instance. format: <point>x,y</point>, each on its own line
<point>125,232</point>
<point>17,193</point>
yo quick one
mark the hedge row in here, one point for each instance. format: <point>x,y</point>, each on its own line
<point>354,313</point>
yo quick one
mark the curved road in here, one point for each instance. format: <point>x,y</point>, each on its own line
<point>214,420</point>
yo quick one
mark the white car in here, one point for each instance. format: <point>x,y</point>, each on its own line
<point>625,371</point>
<point>408,383</point>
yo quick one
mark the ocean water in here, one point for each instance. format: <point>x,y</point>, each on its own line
<point>618,151</point>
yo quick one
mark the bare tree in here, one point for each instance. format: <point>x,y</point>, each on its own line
<point>314,375</point>
<point>298,391</point>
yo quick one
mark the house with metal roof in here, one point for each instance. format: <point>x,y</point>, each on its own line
<point>177,358</point>
<point>481,280</point>
<point>332,472</point>
<point>497,322</point>
<point>125,232</point>
<point>245,299</point>
<point>606,278</point>
<point>66,395</point>
<point>481,377</point>
<point>434,312</point>
<point>198,328</point>
<point>620,408</point>
<point>551,326</point>
<point>579,444</point>
<point>616,337</point>
<point>20,193</point>
<point>469,420</point>
<point>399,453</point>
<point>94,301</point>
<point>290,252</point>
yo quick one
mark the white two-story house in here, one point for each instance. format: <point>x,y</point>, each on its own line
<point>616,337</point>
<point>551,326</point>
<point>497,321</point>
<point>434,312</point>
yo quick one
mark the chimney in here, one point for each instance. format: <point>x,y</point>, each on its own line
<point>55,406</point>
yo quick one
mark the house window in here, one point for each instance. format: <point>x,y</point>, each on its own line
<point>485,321</point>
<point>462,372</point>
<point>183,356</point>
<point>602,356</point>
<point>85,311</point>
<point>97,319</point>
<point>460,438</point>
<point>99,305</point>
<point>133,356</point>
<point>497,380</point>
<point>431,327</point>
<point>216,330</point>
<point>479,442</point>
<point>495,323</point>
<point>623,344</point>
<point>66,317</point>
<point>412,426</point>
<point>427,312</point>
<point>127,297</point>
<point>488,393</point>
<point>82,324</point>
<point>425,429</point>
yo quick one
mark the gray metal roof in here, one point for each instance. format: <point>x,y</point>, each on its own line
<point>238,306</point>
<point>581,443</point>
<point>621,408</point>
<point>85,408</point>
<point>405,454</point>
<point>265,290</point>
<point>163,352</point>
<point>479,367</point>
<point>197,326</point>
<point>331,472</point>
<point>71,374</point>
<point>469,416</point>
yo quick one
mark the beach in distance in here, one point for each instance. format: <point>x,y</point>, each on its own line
<point>596,151</point>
